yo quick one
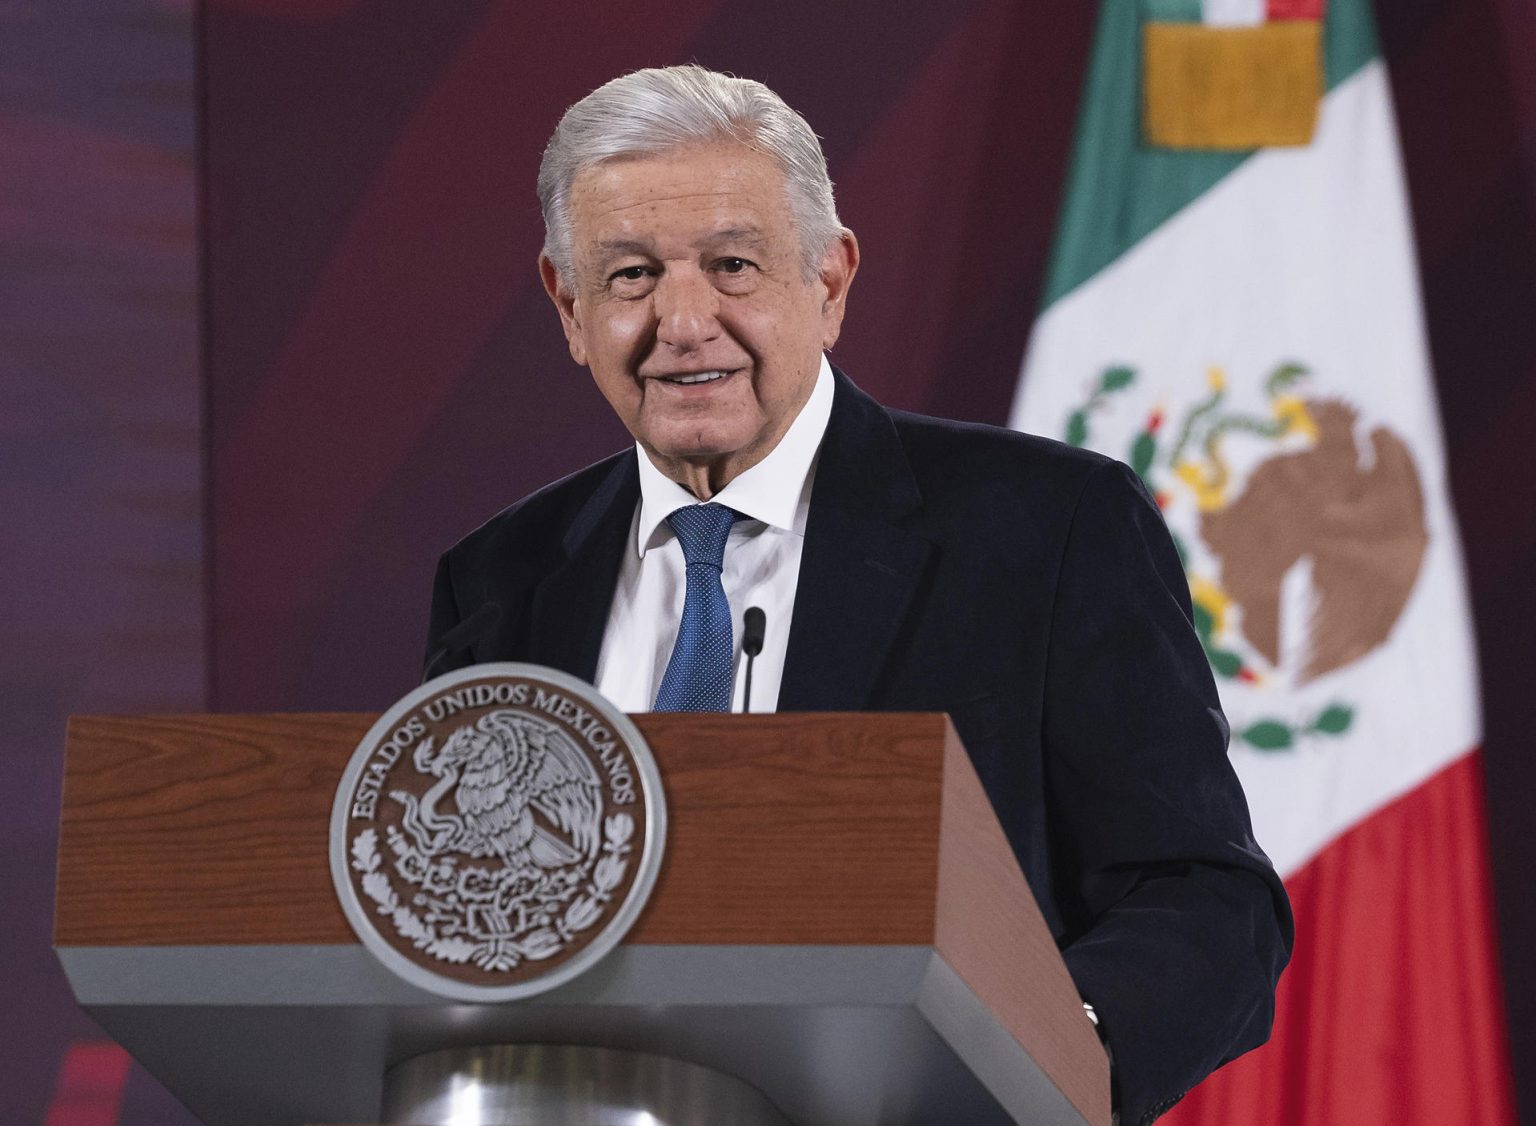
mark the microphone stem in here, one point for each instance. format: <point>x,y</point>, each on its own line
<point>753,625</point>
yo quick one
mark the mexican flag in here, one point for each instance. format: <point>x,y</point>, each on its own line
<point>1233,310</point>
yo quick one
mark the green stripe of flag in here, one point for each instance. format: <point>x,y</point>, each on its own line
<point>1118,191</point>
<point>1174,11</point>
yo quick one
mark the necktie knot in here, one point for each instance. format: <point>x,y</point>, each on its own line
<point>701,530</point>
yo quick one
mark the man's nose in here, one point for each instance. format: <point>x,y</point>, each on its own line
<point>687,310</point>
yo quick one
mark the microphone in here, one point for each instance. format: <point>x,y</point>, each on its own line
<point>754,623</point>
<point>462,636</point>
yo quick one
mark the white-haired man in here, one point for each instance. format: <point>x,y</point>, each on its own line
<point>700,271</point>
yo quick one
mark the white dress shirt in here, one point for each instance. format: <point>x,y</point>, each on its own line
<point>761,567</point>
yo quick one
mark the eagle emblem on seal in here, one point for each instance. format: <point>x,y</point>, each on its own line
<point>506,856</point>
<point>523,791</point>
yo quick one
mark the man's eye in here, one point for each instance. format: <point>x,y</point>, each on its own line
<point>732,265</point>
<point>628,273</point>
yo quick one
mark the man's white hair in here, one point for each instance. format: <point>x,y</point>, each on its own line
<point>649,112</point>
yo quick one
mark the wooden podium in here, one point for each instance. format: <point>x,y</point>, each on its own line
<point>839,921</point>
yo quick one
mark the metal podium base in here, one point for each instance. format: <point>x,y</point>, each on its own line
<point>553,1085</point>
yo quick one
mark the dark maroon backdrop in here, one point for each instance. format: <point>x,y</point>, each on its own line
<point>382,371</point>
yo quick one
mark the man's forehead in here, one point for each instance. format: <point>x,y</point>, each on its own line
<point>709,192</point>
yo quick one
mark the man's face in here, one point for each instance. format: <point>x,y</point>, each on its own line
<point>691,308</point>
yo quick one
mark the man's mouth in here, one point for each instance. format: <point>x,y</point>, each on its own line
<point>695,377</point>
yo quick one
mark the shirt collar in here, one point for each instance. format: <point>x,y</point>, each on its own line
<point>777,490</point>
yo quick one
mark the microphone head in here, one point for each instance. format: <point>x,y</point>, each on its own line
<point>754,623</point>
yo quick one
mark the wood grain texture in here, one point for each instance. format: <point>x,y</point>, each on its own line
<point>797,828</point>
<point>200,829</point>
<point>209,830</point>
<point>992,934</point>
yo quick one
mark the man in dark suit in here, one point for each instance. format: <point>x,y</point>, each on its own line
<point>1029,590</point>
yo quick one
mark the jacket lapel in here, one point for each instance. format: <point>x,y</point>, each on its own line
<point>862,562</point>
<point>570,606</point>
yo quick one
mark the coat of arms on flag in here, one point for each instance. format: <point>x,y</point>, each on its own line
<point>1307,566</point>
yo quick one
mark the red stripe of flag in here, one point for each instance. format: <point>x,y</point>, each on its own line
<point>1295,9</point>
<point>1392,1009</point>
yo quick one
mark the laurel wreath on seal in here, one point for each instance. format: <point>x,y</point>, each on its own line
<point>502,952</point>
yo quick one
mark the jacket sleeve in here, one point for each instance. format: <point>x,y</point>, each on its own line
<point>444,616</point>
<point>1184,926</point>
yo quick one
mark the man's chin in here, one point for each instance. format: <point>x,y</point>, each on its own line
<point>686,457</point>
<point>697,455</point>
<point>700,444</point>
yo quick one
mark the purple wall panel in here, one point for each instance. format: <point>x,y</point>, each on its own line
<point>102,599</point>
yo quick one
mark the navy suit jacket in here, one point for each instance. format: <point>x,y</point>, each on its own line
<point>1031,591</point>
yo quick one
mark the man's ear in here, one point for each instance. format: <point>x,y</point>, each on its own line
<point>565,305</point>
<point>838,265</point>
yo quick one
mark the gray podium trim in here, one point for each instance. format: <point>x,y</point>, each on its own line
<point>803,978</point>
<point>631,975</point>
<point>998,1060</point>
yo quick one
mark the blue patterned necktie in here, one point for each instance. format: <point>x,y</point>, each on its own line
<point>698,676</point>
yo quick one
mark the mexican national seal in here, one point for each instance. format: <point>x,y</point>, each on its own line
<point>497,832</point>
